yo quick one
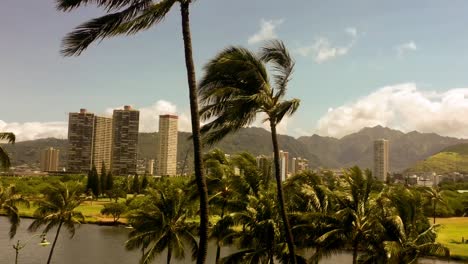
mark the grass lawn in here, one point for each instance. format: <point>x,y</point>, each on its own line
<point>450,234</point>
<point>90,210</point>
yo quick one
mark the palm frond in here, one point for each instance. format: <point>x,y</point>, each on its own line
<point>68,5</point>
<point>8,136</point>
<point>5,162</point>
<point>138,16</point>
<point>276,53</point>
<point>285,108</point>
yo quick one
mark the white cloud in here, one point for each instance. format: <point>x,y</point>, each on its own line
<point>35,130</point>
<point>403,107</point>
<point>323,50</point>
<point>149,122</point>
<point>404,48</point>
<point>267,31</point>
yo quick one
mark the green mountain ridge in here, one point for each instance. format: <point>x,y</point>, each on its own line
<point>406,149</point>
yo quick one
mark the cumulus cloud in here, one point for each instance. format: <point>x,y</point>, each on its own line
<point>149,122</point>
<point>267,31</point>
<point>35,130</point>
<point>404,107</point>
<point>404,48</point>
<point>323,50</point>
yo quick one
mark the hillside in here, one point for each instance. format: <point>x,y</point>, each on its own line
<point>453,158</point>
<point>355,149</point>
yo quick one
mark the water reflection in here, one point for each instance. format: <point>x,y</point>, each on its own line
<point>103,245</point>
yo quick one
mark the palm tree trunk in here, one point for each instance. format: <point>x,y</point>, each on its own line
<point>200,179</point>
<point>55,241</point>
<point>169,254</point>
<point>279,186</point>
<point>355,252</point>
<point>218,248</point>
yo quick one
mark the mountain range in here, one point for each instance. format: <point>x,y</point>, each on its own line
<point>406,149</point>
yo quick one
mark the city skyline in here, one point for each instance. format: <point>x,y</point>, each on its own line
<point>385,77</point>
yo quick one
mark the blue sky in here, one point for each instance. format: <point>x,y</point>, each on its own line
<point>357,62</point>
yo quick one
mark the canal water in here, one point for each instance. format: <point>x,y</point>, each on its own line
<point>102,245</point>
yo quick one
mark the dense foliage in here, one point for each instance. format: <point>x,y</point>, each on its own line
<point>378,223</point>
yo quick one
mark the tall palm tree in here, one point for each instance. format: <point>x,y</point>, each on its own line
<point>236,87</point>
<point>4,157</point>
<point>126,17</point>
<point>59,209</point>
<point>435,195</point>
<point>162,224</point>
<point>9,200</point>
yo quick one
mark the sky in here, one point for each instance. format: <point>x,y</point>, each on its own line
<point>401,64</point>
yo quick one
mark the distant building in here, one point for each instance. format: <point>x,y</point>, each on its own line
<point>284,164</point>
<point>167,161</point>
<point>89,141</point>
<point>150,167</point>
<point>299,165</point>
<point>80,141</point>
<point>381,159</point>
<point>50,160</point>
<point>102,142</point>
<point>125,140</point>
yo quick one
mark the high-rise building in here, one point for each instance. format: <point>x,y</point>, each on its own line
<point>50,159</point>
<point>167,161</point>
<point>80,141</point>
<point>381,159</point>
<point>284,164</point>
<point>125,141</point>
<point>299,165</point>
<point>149,167</point>
<point>102,142</point>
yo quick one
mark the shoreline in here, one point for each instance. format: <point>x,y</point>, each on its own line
<point>119,223</point>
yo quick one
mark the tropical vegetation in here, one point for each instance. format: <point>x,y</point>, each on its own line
<point>4,157</point>
<point>376,223</point>
<point>236,87</point>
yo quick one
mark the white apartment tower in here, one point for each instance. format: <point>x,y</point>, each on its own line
<point>167,161</point>
<point>284,164</point>
<point>149,167</point>
<point>381,159</point>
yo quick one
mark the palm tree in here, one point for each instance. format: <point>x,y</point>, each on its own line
<point>162,224</point>
<point>355,222</point>
<point>405,233</point>
<point>126,17</point>
<point>259,241</point>
<point>236,87</point>
<point>59,209</point>
<point>4,157</point>
<point>435,196</point>
<point>9,200</point>
<point>228,193</point>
